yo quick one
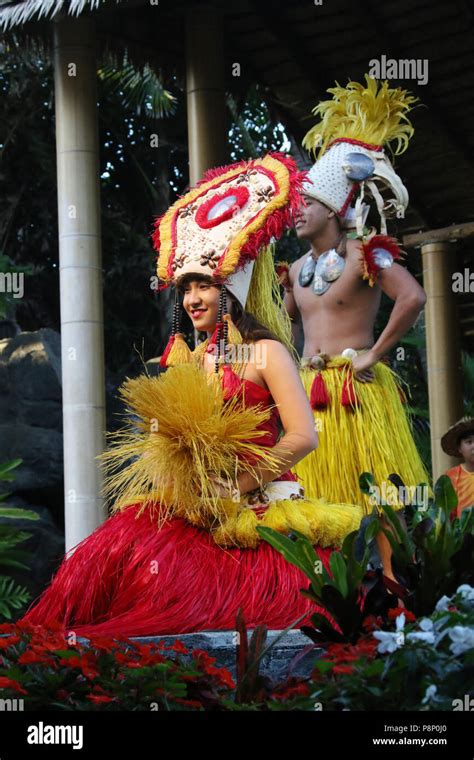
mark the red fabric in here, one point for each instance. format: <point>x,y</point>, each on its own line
<point>128,578</point>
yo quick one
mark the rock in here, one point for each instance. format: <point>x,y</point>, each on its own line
<point>277,665</point>
<point>30,410</point>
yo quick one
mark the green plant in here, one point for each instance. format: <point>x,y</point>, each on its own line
<point>12,596</point>
<point>348,593</point>
<point>49,670</point>
<point>433,553</point>
<point>424,664</point>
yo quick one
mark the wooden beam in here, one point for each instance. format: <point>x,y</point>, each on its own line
<point>444,234</point>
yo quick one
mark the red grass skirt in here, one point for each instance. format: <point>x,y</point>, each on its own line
<point>130,579</point>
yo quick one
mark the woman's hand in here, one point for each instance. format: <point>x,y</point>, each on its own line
<point>224,489</point>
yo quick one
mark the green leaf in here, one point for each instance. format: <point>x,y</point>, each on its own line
<point>339,572</point>
<point>366,483</point>
<point>445,495</point>
<point>16,513</point>
<point>300,552</point>
<point>6,467</point>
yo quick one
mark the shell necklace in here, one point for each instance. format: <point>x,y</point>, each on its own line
<point>325,270</point>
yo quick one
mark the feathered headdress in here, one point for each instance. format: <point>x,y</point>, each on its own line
<point>354,128</point>
<point>223,228</point>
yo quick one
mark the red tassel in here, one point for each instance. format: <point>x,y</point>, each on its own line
<point>166,353</point>
<point>319,397</point>
<point>348,395</point>
<point>214,337</point>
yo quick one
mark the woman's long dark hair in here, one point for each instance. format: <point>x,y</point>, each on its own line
<point>250,328</point>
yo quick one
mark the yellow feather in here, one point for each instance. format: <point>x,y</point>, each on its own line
<point>375,114</point>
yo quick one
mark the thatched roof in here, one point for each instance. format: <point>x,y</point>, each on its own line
<point>15,13</point>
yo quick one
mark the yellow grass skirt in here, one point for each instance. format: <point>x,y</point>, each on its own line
<point>373,435</point>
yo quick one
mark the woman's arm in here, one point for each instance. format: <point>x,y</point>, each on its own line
<point>281,376</point>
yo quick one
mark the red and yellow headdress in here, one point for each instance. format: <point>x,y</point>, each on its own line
<point>222,228</point>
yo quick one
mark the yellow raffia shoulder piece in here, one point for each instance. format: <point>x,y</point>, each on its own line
<point>181,430</point>
<point>374,113</point>
<point>322,523</point>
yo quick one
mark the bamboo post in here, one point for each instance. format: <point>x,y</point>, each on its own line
<point>205,87</point>
<point>80,258</point>
<point>443,349</point>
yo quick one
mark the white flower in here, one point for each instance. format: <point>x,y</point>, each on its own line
<point>466,591</point>
<point>426,624</point>
<point>426,636</point>
<point>389,642</point>
<point>462,639</point>
<point>443,604</point>
<point>429,694</point>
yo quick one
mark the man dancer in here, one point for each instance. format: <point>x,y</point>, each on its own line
<point>333,294</point>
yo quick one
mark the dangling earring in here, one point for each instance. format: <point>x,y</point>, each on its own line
<point>177,350</point>
<point>222,329</point>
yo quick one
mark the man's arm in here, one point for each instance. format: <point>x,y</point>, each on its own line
<point>409,297</point>
<point>289,304</point>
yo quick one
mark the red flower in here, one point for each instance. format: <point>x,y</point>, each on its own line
<point>291,691</point>
<point>122,658</point>
<point>394,612</point>
<point>85,663</point>
<point>226,679</point>
<point>104,643</point>
<point>8,641</point>
<point>372,623</point>
<point>8,683</point>
<point>203,658</point>
<point>343,669</point>
<point>7,627</point>
<point>31,656</point>
<point>179,647</point>
<point>99,698</point>
<point>189,703</point>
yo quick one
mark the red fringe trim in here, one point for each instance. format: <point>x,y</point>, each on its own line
<point>371,269</point>
<point>352,141</point>
<point>319,397</point>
